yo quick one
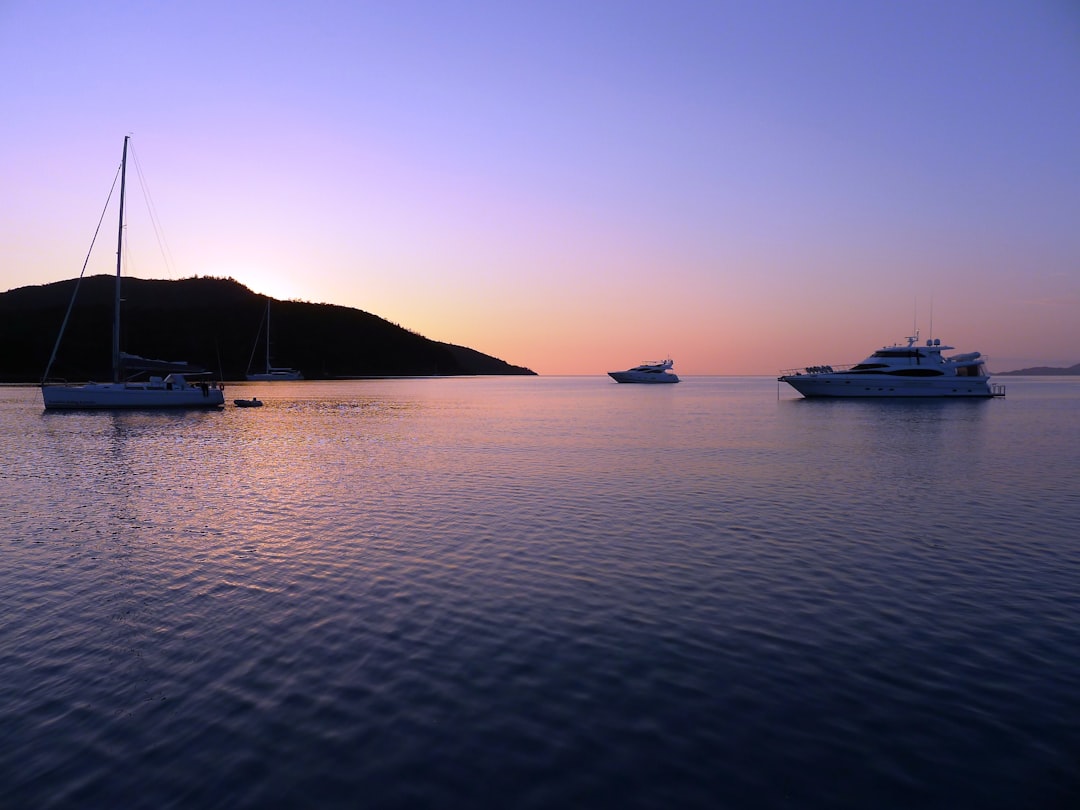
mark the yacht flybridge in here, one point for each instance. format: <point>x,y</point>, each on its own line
<point>900,371</point>
<point>647,373</point>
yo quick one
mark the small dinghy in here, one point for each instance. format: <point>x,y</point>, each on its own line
<point>254,402</point>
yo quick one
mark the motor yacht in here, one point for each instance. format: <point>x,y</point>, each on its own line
<point>900,371</point>
<point>647,373</point>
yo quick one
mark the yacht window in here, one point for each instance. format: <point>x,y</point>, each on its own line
<point>898,353</point>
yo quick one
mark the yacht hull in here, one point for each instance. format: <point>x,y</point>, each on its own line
<point>850,385</point>
<point>649,378</point>
<point>129,395</point>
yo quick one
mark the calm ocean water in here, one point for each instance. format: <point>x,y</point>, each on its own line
<point>541,593</point>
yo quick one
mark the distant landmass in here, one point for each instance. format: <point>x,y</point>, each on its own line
<point>213,323</point>
<point>1045,371</point>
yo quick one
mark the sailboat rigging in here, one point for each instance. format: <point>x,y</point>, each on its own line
<point>269,372</point>
<point>172,391</point>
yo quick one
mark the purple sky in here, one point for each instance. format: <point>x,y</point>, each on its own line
<point>575,186</point>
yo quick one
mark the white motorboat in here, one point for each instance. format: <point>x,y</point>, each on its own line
<point>900,371</point>
<point>171,391</point>
<point>270,373</point>
<point>647,373</point>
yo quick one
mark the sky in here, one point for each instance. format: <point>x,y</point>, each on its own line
<point>575,186</point>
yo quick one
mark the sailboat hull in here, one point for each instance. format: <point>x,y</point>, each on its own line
<point>289,374</point>
<point>130,395</point>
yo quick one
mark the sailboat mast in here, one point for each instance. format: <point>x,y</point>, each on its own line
<point>119,248</point>
<point>267,335</point>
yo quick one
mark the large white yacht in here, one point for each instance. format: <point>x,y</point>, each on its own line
<point>900,371</point>
<point>647,373</point>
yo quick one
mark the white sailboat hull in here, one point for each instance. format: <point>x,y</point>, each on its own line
<point>131,395</point>
<point>288,374</point>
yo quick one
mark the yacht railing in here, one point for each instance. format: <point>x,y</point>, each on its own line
<point>812,370</point>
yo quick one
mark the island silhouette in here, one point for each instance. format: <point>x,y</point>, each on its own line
<point>1041,371</point>
<point>213,323</point>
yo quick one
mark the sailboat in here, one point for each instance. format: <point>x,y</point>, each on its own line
<point>270,373</point>
<point>174,390</point>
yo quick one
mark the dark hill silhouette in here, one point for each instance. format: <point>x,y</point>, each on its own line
<point>213,323</point>
<point>1042,371</point>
